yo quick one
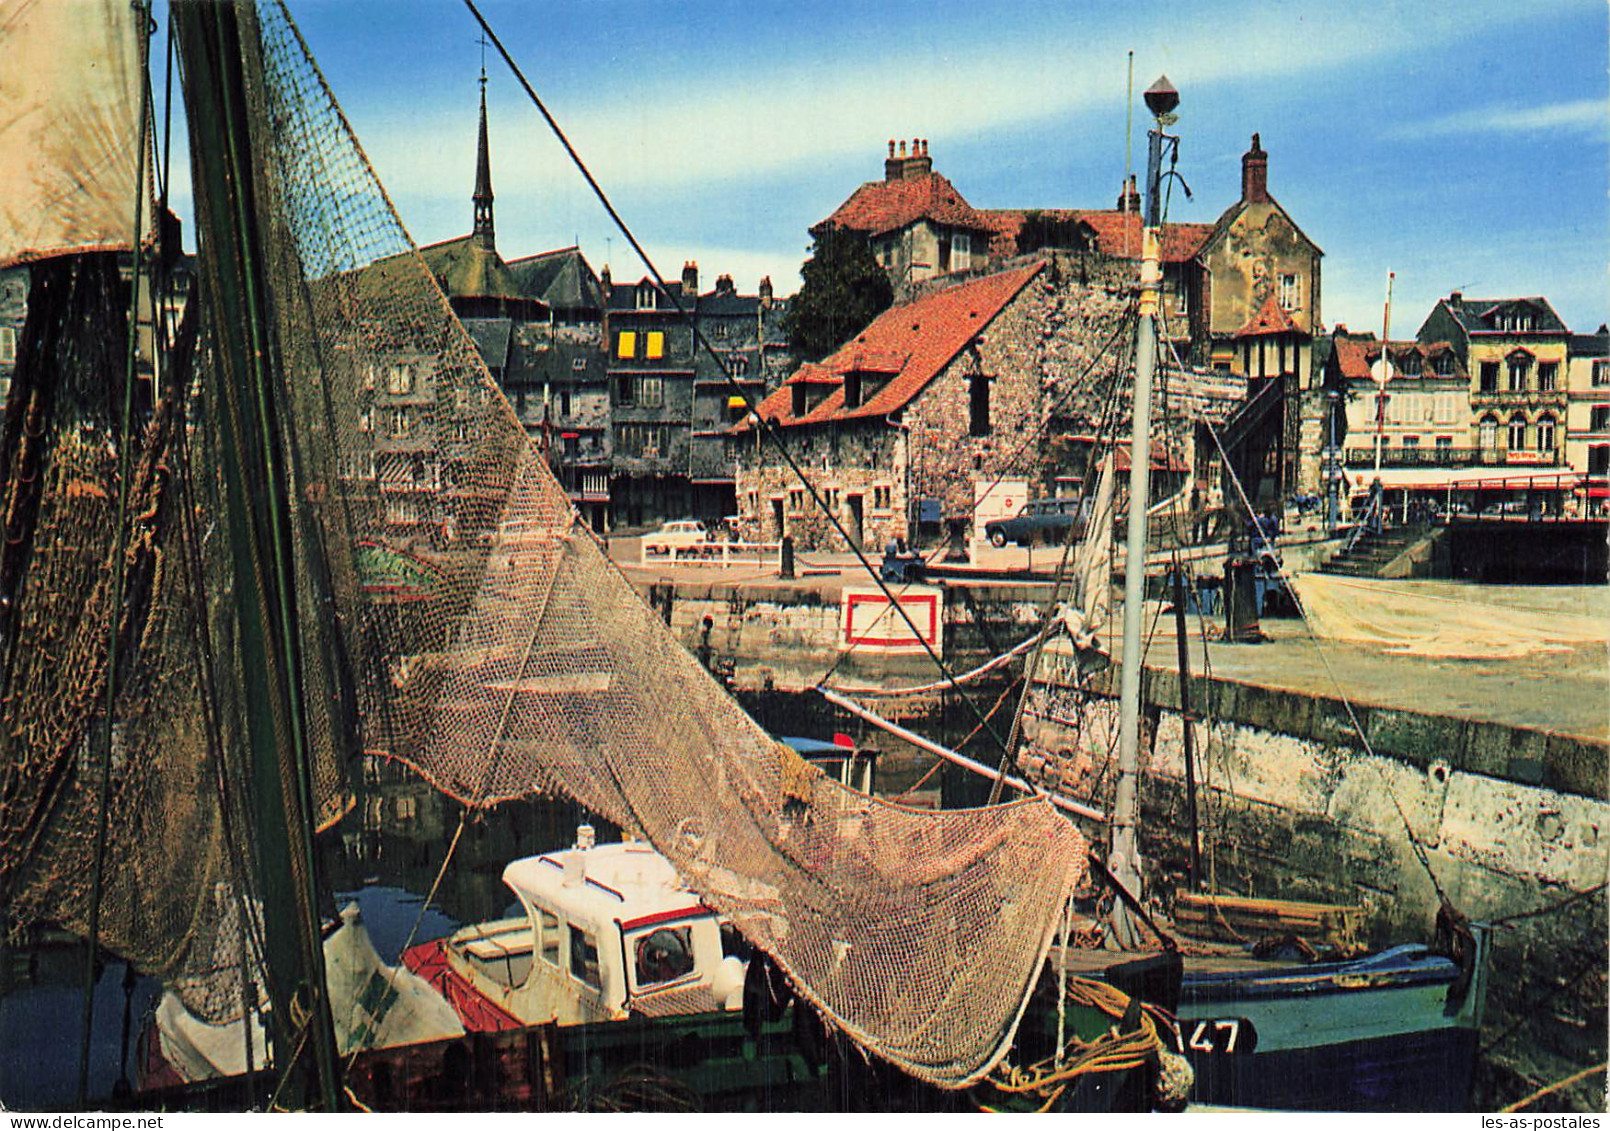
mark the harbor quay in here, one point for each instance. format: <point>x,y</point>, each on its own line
<point>1325,771</point>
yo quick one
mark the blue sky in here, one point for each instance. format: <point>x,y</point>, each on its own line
<point>1461,145</point>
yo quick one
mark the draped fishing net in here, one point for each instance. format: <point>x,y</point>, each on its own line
<point>467,624</point>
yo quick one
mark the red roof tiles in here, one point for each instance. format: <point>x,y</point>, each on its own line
<point>1356,355</point>
<point>886,206</point>
<point>1270,319</point>
<point>921,336</point>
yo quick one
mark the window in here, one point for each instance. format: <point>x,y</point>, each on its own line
<point>8,345</point>
<point>1488,433</point>
<point>1599,418</point>
<point>1599,459</point>
<point>978,405</point>
<point>399,379</point>
<point>852,390</point>
<point>1545,433</point>
<point>401,423</point>
<point>584,957</point>
<point>655,346</point>
<point>1548,376</point>
<point>651,391</point>
<point>1443,364</point>
<point>578,364</point>
<point>564,402</point>
<point>738,366</point>
<point>1444,443</point>
<point>1489,376</point>
<point>1290,292</point>
<point>1519,365</point>
<point>1409,364</point>
<point>1517,432</point>
<point>626,344</point>
<point>880,498</point>
<point>662,956</point>
<point>548,923</point>
<point>961,250</point>
<point>645,297</point>
<point>1411,443</point>
<point>623,389</point>
<point>796,499</point>
<point>366,420</point>
<point>1601,372</point>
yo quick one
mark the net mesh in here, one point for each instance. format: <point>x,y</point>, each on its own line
<point>472,628</point>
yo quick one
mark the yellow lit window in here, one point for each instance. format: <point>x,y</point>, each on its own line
<point>655,347</point>
<point>628,344</point>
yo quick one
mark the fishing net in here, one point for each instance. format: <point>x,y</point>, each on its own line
<point>461,620</point>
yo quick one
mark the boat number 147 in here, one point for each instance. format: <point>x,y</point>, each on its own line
<point>1222,1035</point>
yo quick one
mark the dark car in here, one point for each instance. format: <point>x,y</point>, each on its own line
<point>1047,518</point>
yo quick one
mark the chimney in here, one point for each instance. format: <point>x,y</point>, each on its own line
<point>724,285</point>
<point>1255,174</point>
<point>765,289</point>
<point>892,165</point>
<point>1129,198</point>
<point>690,279</point>
<point>920,164</point>
<point>1457,298</point>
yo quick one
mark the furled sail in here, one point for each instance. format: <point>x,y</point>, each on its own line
<point>69,130</point>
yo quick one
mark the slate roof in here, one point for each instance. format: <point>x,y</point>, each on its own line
<point>1475,315</point>
<point>923,336</point>
<point>1270,319</point>
<point>467,268</point>
<point>886,206</point>
<point>561,278</point>
<point>491,337</point>
<point>1590,345</point>
<point>1112,232</point>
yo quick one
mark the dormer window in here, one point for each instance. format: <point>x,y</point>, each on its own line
<point>1516,320</point>
<point>799,405</point>
<point>1443,364</point>
<point>1409,364</point>
<point>645,297</point>
<point>852,390</point>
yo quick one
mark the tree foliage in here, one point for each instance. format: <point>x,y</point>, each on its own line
<point>842,290</point>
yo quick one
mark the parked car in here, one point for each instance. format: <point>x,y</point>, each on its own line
<point>1048,518</point>
<point>675,535</point>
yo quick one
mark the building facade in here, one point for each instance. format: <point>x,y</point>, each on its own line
<point>1587,422</point>
<point>1514,352</point>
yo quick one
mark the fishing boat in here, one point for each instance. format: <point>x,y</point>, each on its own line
<point>198,652</point>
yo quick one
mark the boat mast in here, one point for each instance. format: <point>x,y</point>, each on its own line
<point>249,387</point>
<point>1124,858</point>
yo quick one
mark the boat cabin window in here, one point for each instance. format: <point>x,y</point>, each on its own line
<point>548,922</point>
<point>663,955</point>
<point>584,957</point>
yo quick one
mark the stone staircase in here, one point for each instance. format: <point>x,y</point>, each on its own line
<point>1374,555</point>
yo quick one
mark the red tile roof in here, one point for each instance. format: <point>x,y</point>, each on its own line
<point>886,206</point>
<point>1270,319</point>
<point>1355,356</point>
<point>923,335</point>
<point>1112,232</point>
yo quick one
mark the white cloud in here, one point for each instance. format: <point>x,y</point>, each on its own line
<point>1589,115</point>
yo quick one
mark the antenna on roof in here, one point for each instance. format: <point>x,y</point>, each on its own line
<point>1129,127</point>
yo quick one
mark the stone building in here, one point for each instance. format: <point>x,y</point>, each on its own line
<point>672,400</point>
<point>918,226</point>
<point>1515,352</point>
<point>13,313</point>
<point>1587,424</point>
<point>937,397</point>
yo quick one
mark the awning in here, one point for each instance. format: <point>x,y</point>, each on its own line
<point>1461,479</point>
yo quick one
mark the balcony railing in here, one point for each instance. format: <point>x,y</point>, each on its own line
<point>1452,457</point>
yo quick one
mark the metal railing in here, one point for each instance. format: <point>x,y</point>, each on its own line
<point>1452,457</point>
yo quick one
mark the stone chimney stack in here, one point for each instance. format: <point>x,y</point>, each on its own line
<point>1255,174</point>
<point>920,164</point>
<point>765,286</point>
<point>690,279</point>
<point>1129,198</point>
<point>893,166</point>
<point>724,285</point>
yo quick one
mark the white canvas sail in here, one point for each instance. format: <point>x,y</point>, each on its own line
<point>69,126</point>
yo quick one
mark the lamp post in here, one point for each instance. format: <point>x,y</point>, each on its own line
<point>1124,858</point>
<point>1333,463</point>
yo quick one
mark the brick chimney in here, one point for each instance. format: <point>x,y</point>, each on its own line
<point>1255,174</point>
<point>892,165</point>
<point>605,283</point>
<point>690,279</point>
<point>1129,198</point>
<point>920,164</point>
<point>765,288</point>
<point>724,285</point>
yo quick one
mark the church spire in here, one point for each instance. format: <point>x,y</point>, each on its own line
<point>483,178</point>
